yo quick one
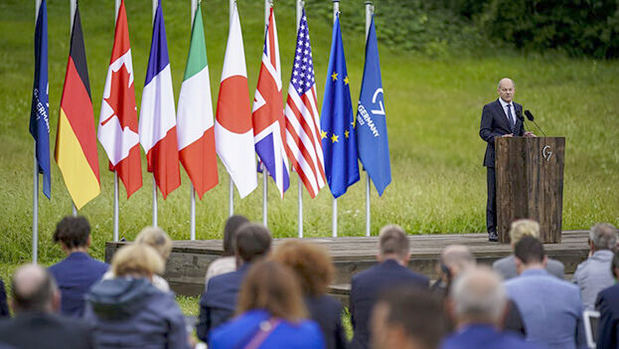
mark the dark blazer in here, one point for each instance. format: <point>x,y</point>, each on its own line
<point>608,328</point>
<point>327,312</point>
<point>487,337</point>
<point>494,123</point>
<point>4,307</point>
<point>218,303</point>
<point>75,276</point>
<point>43,330</point>
<point>365,289</point>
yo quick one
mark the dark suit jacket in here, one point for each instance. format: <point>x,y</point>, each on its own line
<point>42,330</point>
<point>487,337</point>
<point>75,276</point>
<point>4,308</point>
<point>218,303</point>
<point>327,312</point>
<point>366,288</point>
<point>494,123</point>
<point>608,328</point>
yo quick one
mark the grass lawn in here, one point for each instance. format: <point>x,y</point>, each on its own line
<point>433,109</point>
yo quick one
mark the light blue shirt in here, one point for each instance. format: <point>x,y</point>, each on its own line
<point>551,309</point>
<point>593,275</point>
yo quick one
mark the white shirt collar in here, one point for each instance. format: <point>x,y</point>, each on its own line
<point>503,103</point>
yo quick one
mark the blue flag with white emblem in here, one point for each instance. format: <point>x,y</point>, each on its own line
<point>39,111</point>
<point>371,123</point>
<point>337,125</point>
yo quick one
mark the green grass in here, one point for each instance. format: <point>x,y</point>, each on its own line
<point>433,109</point>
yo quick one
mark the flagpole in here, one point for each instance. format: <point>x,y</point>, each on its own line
<point>192,191</point>
<point>336,10</point>
<point>369,9</point>
<point>265,204</point>
<point>231,197</point>
<point>35,178</point>
<point>116,213</point>
<point>300,4</point>
<point>73,7</point>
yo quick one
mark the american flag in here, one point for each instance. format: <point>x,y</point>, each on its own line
<point>303,144</point>
<point>268,112</point>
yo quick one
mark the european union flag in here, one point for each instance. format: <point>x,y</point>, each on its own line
<point>39,112</point>
<point>371,123</point>
<point>337,126</point>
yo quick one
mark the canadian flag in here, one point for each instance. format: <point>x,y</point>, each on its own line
<point>234,135</point>
<point>118,122</point>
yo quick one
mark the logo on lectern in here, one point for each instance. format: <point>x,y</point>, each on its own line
<point>547,152</point>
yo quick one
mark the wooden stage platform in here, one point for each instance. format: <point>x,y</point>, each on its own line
<point>189,259</point>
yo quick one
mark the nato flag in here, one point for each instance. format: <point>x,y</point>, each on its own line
<point>39,112</point>
<point>371,124</point>
<point>337,122</point>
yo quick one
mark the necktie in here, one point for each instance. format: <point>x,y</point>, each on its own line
<point>511,120</point>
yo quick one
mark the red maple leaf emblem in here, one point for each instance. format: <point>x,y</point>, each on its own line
<point>122,100</point>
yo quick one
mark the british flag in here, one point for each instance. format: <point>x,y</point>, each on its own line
<point>303,138</point>
<point>268,111</point>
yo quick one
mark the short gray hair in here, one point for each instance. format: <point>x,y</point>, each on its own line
<point>479,296</point>
<point>393,240</point>
<point>603,236</point>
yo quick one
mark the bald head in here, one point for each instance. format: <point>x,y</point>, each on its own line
<point>457,258</point>
<point>33,289</point>
<point>506,89</point>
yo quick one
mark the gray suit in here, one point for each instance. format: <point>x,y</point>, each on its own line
<point>506,266</point>
<point>593,275</point>
<point>551,309</point>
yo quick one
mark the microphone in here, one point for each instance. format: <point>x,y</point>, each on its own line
<point>532,119</point>
<point>521,118</point>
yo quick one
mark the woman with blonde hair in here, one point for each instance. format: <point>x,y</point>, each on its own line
<point>156,238</point>
<point>313,268</point>
<point>129,311</point>
<point>270,313</point>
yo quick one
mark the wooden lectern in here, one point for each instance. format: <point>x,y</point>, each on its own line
<point>529,184</point>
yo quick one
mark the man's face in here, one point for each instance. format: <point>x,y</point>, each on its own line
<point>506,90</point>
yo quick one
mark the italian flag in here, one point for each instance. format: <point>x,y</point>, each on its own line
<point>196,136</point>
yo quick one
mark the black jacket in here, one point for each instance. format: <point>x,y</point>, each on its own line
<point>494,123</point>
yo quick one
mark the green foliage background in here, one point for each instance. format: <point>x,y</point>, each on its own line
<point>438,68</point>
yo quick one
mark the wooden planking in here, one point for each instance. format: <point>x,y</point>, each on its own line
<point>529,184</point>
<point>189,259</point>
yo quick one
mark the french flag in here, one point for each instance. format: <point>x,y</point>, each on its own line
<point>268,112</point>
<point>157,125</point>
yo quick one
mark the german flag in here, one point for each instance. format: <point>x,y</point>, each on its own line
<point>76,142</point>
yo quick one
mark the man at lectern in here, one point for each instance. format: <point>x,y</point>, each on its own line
<point>500,118</point>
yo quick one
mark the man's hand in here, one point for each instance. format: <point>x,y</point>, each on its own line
<point>508,135</point>
<point>529,134</point>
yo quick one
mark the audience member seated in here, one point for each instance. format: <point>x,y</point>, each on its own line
<point>156,238</point>
<point>456,259</point>
<point>78,272</point>
<point>408,318</point>
<point>593,275</point>
<point>227,262</point>
<point>314,270</point>
<point>608,305</point>
<point>551,308</point>
<point>217,304</point>
<point>391,271</point>
<point>506,266</point>
<point>4,307</point>
<point>36,300</point>
<point>128,311</point>
<point>270,313</point>
<point>477,304</point>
